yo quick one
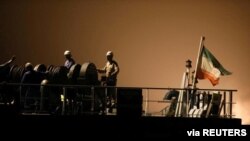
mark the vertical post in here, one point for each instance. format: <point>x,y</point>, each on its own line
<point>146,102</point>
<point>106,99</point>
<point>198,60</point>
<point>115,101</point>
<point>230,104</point>
<point>41,100</point>
<point>92,99</point>
<point>188,66</point>
<point>20,98</point>
<point>224,104</point>
<point>188,104</point>
<point>180,97</point>
<point>63,100</point>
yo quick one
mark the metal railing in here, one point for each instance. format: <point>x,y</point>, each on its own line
<point>148,101</point>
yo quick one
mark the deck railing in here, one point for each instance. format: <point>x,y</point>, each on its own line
<point>104,100</point>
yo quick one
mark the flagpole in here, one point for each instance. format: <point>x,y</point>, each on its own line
<point>195,73</point>
<point>197,61</point>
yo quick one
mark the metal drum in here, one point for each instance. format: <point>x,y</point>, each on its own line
<point>40,68</point>
<point>74,73</point>
<point>16,73</point>
<point>88,74</point>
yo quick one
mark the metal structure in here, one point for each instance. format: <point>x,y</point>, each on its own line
<point>78,91</point>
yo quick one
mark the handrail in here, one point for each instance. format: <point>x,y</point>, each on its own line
<point>226,107</point>
<point>130,87</point>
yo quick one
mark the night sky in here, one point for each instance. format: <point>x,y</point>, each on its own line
<point>151,39</point>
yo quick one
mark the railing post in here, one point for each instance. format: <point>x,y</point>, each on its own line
<point>41,101</point>
<point>146,102</point>
<point>63,100</point>
<point>92,99</point>
<point>230,104</point>
<point>224,104</point>
<point>187,103</point>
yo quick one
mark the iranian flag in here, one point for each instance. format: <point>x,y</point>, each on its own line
<point>209,67</point>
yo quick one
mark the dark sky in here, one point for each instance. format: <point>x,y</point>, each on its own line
<point>151,39</point>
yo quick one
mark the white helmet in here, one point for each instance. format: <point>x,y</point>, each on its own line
<point>28,66</point>
<point>67,52</point>
<point>109,53</point>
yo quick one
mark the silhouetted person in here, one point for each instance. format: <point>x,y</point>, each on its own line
<point>111,70</point>
<point>31,92</point>
<point>69,60</point>
<point>5,94</point>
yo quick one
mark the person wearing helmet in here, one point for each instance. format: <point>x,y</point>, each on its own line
<point>69,60</point>
<point>111,70</point>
